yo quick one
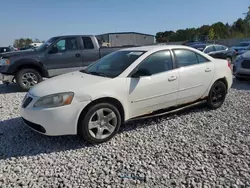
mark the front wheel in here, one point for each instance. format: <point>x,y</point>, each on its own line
<point>100,123</point>
<point>27,78</point>
<point>217,95</point>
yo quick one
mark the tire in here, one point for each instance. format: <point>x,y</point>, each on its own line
<point>27,78</point>
<point>90,135</point>
<point>217,95</point>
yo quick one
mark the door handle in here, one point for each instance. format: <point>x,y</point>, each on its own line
<point>172,78</point>
<point>78,55</point>
<point>207,70</point>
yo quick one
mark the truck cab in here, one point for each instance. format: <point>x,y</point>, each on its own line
<point>58,55</point>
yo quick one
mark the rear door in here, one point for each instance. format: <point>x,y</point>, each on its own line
<point>66,59</point>
<point>90,51</point>
<point>195,74</point>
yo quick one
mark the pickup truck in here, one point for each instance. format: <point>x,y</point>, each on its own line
<point>58,55</point>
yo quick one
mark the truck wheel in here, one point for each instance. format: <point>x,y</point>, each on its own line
<point>27,78</point>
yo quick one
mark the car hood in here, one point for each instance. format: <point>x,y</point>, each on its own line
<point>18,53</point>
<point>74,81</point>
<point>239,48</point>
<point>246,54</point>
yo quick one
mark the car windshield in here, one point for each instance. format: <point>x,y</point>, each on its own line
<point>45,45</point>
<point>113,64</point>
<point>243,44</point>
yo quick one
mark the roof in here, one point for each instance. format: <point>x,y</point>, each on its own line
<point>156,47</point>
<point>119,33</point>
<point>74,36</point>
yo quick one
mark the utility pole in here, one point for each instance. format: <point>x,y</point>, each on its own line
<point>247,19</point>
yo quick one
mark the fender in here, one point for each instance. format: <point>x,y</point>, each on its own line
<point>28,63</point>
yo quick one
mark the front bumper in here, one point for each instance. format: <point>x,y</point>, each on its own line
<point>52,121</point>
<point>6,78</point>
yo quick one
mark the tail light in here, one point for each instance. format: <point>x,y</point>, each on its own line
<point>229,64</point>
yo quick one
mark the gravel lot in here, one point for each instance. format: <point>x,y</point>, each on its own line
<point>193,148</point>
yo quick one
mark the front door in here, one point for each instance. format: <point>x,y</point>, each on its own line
<point>195,75</point>
<point>157,91</point>
<point>64,56</point>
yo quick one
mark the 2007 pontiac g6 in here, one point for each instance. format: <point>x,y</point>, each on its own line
<point>123,85</point>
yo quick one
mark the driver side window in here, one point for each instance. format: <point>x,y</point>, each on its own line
<point>61,45</point>
<point>64,45</point>
<point>157,62</point>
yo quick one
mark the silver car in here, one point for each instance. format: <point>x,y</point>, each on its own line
<point>241,68</point>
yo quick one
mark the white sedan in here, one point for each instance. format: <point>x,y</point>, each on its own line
<point>123,85</point>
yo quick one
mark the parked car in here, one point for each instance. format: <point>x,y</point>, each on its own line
<point>122,86</point>
<point>242,47</point>
<point>217,51</point>
<point>56,56</point>
<point>5,49</point>
<point>241,68</point>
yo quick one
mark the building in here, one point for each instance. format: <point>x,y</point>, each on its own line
<point>126,39</point>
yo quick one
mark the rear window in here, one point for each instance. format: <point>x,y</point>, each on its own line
<point>219,48</point>
<point>87,42</point>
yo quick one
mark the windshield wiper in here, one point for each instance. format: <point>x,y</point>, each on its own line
<point>98,74</point>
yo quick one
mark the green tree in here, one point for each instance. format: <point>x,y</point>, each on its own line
<point>211,34</point>
<point>238,29</point>
<point>22,42</point>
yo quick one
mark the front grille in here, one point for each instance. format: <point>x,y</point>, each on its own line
<point>26,102</point>
<point>245,64</point>
<point>34,126</point>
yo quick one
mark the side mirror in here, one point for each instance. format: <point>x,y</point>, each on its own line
<point>53,50</point>
<point>140,73</point>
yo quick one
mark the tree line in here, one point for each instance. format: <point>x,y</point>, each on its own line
<point>23,42</point>
<point>218,30</point>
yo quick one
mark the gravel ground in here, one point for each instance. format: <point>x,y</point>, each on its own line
<point>193,148</point>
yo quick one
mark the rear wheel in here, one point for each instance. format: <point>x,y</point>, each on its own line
<point>101,122</point>
<point>27,78</point>
<point>217,95</point>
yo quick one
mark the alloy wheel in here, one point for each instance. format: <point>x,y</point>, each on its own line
<point>102,123</point>
<point>29,79</point>
<point>218,94</point>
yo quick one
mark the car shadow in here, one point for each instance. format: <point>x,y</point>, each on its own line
<point>11,88</point>
<point>18,140</point>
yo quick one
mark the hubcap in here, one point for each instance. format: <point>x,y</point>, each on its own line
<point>29,79</point>
<point>102,123</point>
<point>218,94</point>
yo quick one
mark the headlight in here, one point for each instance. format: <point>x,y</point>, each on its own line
<point>4,61</point>
<point>55,100</point>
